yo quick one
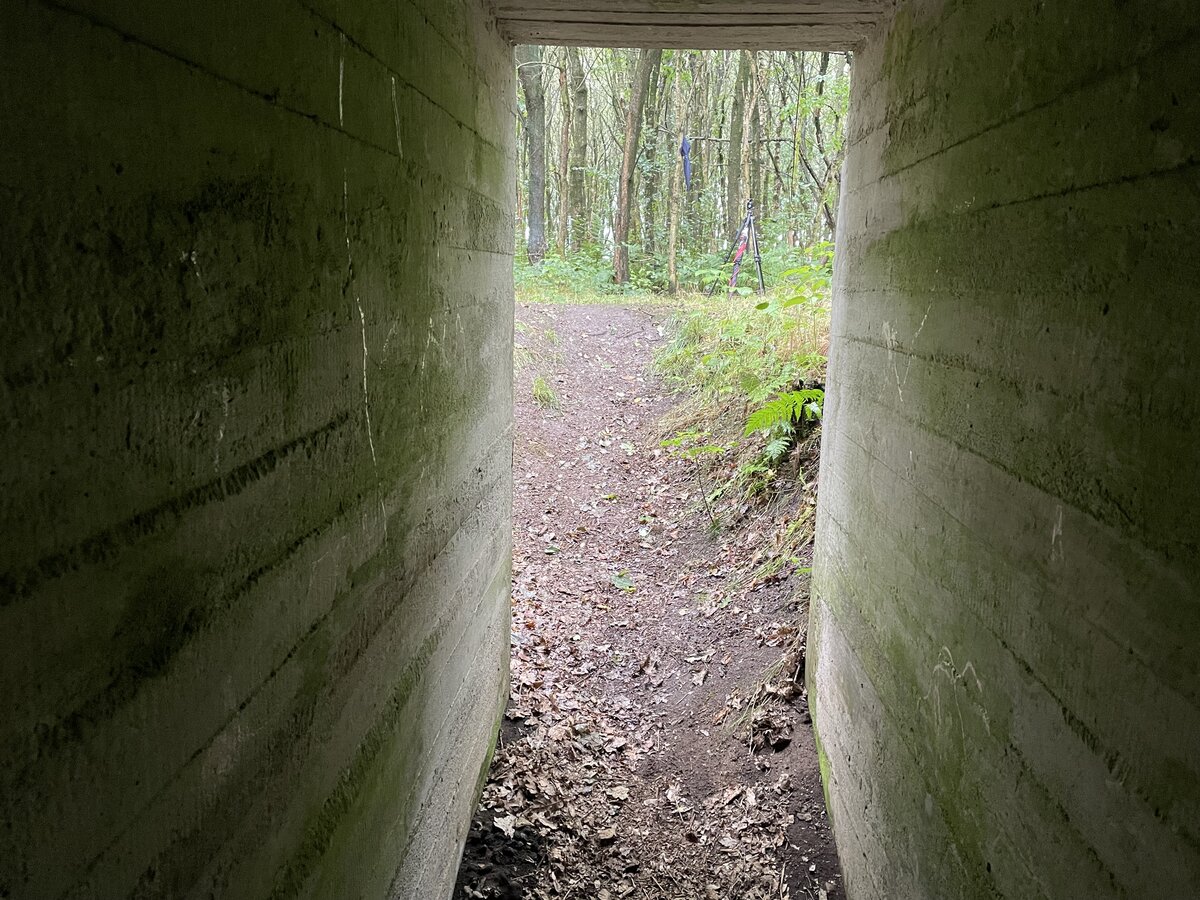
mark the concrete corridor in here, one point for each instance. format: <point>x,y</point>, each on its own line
<point>257,326</point>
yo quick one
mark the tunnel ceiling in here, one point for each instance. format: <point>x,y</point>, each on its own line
<point>691,24</point>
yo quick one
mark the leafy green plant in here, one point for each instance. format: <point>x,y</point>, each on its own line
<point>780,420</point>
<point>690,445</point>
<point>745,367</point>
<point>785,410</point>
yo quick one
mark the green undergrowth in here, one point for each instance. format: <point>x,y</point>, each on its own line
<point>749,373</point>
<point>579,279</point>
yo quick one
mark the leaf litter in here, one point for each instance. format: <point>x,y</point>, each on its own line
<point>655,742</point>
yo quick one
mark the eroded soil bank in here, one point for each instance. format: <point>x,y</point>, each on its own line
<point>643,647</point>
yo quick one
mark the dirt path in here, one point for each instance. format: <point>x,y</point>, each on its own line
<point>623,769</point>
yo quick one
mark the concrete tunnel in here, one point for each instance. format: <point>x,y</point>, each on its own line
<point>257,330</point>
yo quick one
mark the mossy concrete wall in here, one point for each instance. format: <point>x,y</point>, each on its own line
<point>1004,669</point>
<point>255,305</point>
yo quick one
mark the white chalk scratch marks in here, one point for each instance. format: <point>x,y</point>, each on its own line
<point>1056,533</point>
<point>891,340</point>
<point>916,335</point>
<point>187,257</point>
<point>431,339</point>
<point>366,359</point>
<point>346,225</point>
<point>226,401</point>
<point>328,576</point>
<point>342,83</point>
<point>959,679</point>
<point>362,318</point>
<point>396,116</point>
<point>387,340</point>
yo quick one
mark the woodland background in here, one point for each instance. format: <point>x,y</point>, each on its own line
<point>602,203</point>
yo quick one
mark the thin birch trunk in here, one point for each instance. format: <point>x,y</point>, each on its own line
<point>647,62</point>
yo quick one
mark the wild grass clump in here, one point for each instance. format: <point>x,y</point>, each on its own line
<point>522,357</point>
<point>543,394</point>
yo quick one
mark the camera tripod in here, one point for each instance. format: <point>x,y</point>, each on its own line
<point>745,239</point>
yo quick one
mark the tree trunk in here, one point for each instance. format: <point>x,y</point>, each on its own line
<point>753,144</point>
<point>564,149</point>
<point>650,183</point>
<point>734,201</point>
<point>648,61</point>
<point>529,69</point>
<point>706,176</point>
<point>578,208</point>
<point>830,219</point>
<point>678,188</point>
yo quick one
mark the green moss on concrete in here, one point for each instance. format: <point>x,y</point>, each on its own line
<point>384,744</point>
<point>826,775</point>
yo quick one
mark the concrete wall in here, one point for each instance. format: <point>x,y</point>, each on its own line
<point>255,305</point>
<point>1003,653</point>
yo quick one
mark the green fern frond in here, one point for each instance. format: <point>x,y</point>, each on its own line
<point>769,415</point>
<point>776,448</point>
<point>788,407</point>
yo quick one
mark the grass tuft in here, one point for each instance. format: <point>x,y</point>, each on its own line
<point>543,394</point>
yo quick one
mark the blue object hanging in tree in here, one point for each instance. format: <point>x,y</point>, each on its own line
<point>685,150</point>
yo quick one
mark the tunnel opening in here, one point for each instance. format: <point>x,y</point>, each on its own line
<point>676,219</point>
